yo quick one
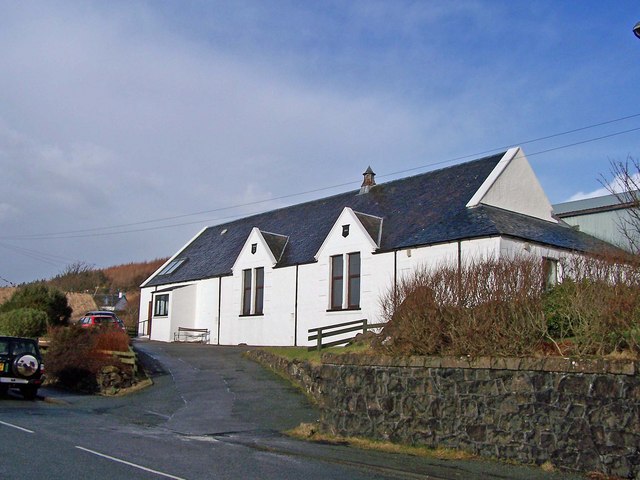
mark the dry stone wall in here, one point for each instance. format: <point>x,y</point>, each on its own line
<point>578,414</point>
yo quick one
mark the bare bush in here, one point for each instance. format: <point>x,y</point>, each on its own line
<point>74,358</point>
<point>488,306</point>
<point>501,307</point>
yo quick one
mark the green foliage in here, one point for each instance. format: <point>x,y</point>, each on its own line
<point>23,322</point>
<point>559,311</point>
<point>41,297</point>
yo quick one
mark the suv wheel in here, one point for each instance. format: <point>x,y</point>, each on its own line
<point>25,365</point>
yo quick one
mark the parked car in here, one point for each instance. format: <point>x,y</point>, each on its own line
<point>102,313</point>
<point>21,366</point>
<point>99,320</point>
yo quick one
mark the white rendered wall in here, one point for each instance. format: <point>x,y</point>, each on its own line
<point>161,326</point>
<point>276,324</point>
<point>182,308</point>
<point>181,313</point>
<point>512,247</point>
<point>514,186</point>
<point>446,254</point>
<point>206,314</point>
<point>314,279</point>
<point>143,314</point>
<point>197,305</point>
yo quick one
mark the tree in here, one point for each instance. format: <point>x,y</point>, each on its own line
<point>41,297</point>
<point>79,277</point>
<point>626,187</point>
<point>23,322</point>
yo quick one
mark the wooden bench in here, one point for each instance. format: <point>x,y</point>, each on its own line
<point>185,334</point>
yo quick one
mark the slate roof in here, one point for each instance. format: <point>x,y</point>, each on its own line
<point>420,210</point>
<point>276,243</point>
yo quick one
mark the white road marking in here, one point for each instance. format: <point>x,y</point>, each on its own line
<point>129,463</point>
<point>16,427</point>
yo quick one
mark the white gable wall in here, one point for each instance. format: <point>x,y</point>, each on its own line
<point>314,287</point>
<point>275,326</point>
<point>514,186</point>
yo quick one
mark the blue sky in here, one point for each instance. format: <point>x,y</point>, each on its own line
<point>121,113</point>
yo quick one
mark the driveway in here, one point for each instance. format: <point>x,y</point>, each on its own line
<point>211,414</point>
<point>220,392</point>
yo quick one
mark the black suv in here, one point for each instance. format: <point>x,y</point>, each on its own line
<point>20,366</point>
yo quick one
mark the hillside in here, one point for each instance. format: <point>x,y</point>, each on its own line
<point>83,278</point>
<point>84,285</point>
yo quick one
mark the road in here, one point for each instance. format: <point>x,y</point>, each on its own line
<point>211,414</point>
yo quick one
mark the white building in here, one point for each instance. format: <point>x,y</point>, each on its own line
<point>268,278</point>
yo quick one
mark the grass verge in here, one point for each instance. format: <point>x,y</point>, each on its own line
<point>314,356</point>
<point>310,432</point>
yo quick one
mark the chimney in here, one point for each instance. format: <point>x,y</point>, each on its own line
<point>368,182</point>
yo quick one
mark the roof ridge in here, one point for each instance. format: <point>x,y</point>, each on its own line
<point>356,190</point>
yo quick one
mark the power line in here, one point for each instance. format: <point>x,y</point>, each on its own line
<point>84,233</point>
<point>51,259</point>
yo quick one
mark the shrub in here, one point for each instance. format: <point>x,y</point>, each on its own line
<point>112,339</point>
<point>597,306</point>
<point>23,322</point>
<point>500,307</point>
<point>74,359</point>
<point>38,296</point>
<point>486,307</point>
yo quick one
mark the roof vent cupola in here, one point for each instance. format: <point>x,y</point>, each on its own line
<point>368,182</point>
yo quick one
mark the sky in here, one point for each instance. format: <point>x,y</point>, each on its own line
<point>128,126</point>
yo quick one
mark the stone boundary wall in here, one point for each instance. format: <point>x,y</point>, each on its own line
<point>577,414</point>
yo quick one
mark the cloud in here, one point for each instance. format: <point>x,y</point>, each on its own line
<point>120,113</point>
<point>107,124</point>
<point>617,185</point>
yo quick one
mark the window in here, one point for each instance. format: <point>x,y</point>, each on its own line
<point>354,280</point>
<point>161,306</point>
<point>337,276</point>
<point>550,271</point>
<point>172,267</point>
<point>246,292</point>
<point>253,291</point>
<point>349,290</point>
<point>259,297</point>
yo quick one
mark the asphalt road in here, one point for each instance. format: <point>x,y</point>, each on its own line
<point>211,414</point>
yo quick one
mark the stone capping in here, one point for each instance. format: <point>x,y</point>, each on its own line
<point>544,364</point>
